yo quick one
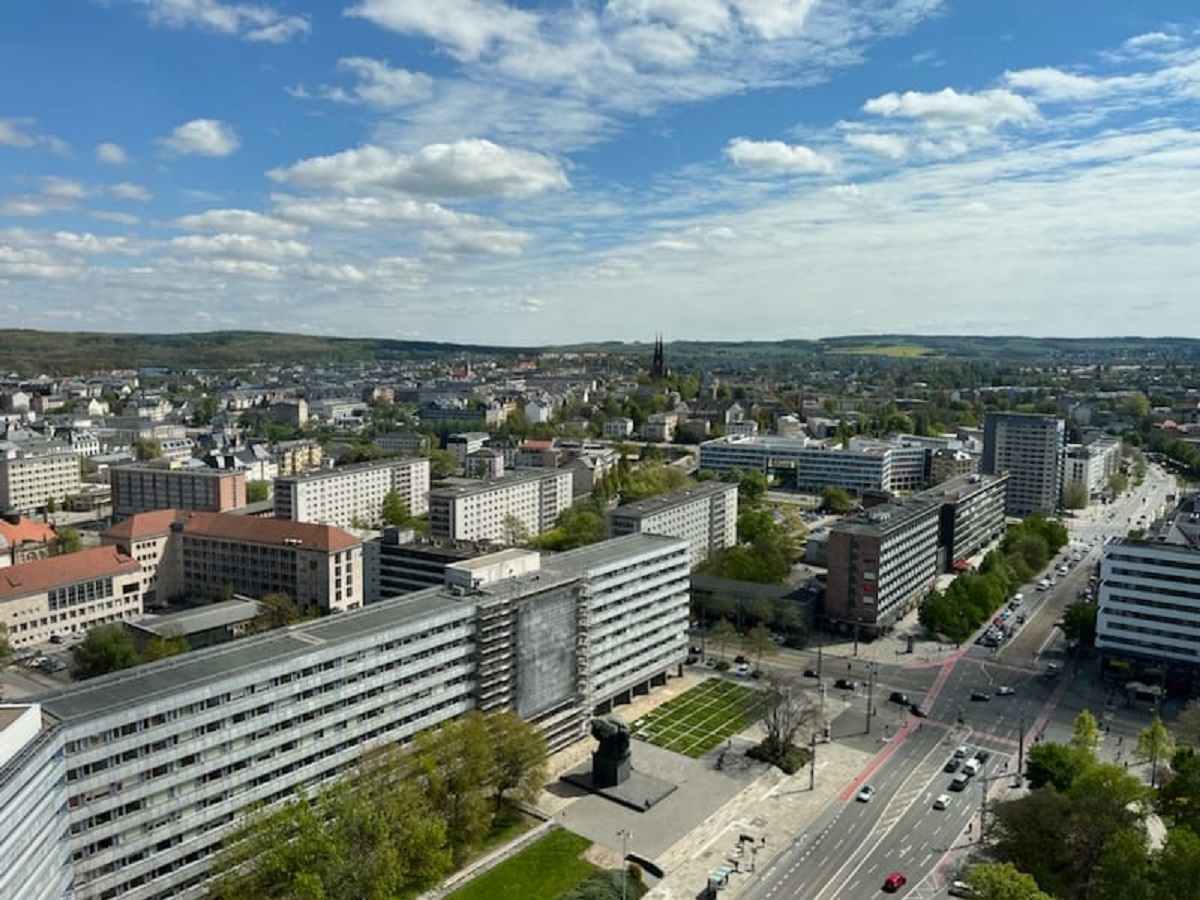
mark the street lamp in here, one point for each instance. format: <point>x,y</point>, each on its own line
<point>857,623</point>
<point>625,834</point>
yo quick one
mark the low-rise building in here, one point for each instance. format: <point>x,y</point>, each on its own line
<point>161,484</point>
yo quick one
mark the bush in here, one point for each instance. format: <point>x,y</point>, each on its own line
<point>789,762</point>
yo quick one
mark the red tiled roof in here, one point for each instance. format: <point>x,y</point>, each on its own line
<point>59,571</point>
<point>26,530</point>
<point>537,445</point>
<point>142,525</point>
<point>252,530</point>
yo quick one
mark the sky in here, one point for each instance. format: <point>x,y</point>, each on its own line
<point>521,172</point>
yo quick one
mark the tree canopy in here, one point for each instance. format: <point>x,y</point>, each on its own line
<point>104,649</point>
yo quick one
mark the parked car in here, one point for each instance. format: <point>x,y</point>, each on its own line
<point>898,697</point>
<point>970,768</point>
<point>811,673</point>
<point>894,882</point>
<point>960,782</point>
<point>845,684</point>
<point>1004,691</point>
<point>739,659</point>
<point>866,793</point>
<point>961,889</point>
<point>981,696</point>
<point>942,801</point>
<point>983,755</point>
<point>952,764</point>
<point>962,751</point>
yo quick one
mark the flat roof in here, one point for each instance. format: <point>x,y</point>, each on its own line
<point>200,618</point>
<point>582,559</point>
<point>680,497</point>
<point>391,462</point>
<point>468,486</point>
<point>168,677</point>
<point>492,559</point>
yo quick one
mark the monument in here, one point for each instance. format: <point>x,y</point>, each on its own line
<point>610,761</point>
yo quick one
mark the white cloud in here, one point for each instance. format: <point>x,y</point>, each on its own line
<point>380,85</point>
<point>984,110</point>
<point>467,168</point>
<point>127,191</point>
<point>892,146</point>
<point>1156,39</point>
<point>107,215</point>
<point>693,17</point>
<point>776,157</point>
<point>17,133</point>
<point>112,154</point>
<point>252,22</point>
<point>476,240</point>
<point>773,19</point>
<point>1054,84</point>
<point>467,27</point>
<point>239,221</point>
<point>240,247</point>
<point>63,188</point>
<point>201,137</point>
<point>364,212</point>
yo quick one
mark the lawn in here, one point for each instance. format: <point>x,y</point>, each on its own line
<point>545,869</point>
<point>695,722</point>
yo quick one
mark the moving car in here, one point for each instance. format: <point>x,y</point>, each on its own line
<point>981,696</point>
<point>894,882</point>
<point>942,801</point>
<point>961,889</point>
<point>866,793</point>
<point>898,697</point>
<point>845,684</point>
<point>917,710</point>
<point>960,782</point>
<point>1004,691</point>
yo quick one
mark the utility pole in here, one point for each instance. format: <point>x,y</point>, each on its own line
<point>812,764</point>
<point>624,833</point>
<point>870,694</point>
<point>1021,749</point>
<point>818,660</point>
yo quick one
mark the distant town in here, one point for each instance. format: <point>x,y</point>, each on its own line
<point>222,585</point>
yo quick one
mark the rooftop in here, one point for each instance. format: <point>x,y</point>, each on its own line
<point>200,618</point>
<point>322,474</point>
<point>468,486</point>
<point>233,527</point>
<point>25,530</point>
<point>691,494</point>
<point>59,571</point>
<point>615,550</point>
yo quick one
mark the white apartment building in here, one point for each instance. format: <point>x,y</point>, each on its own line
<point>704,515</point>
<point>35,472</point>
<point>141,773</point>
<point>492,510</point>
<point>353,494</point>
<point>1092,465</point>
<point>1030,449</point>
<point>69,594</point>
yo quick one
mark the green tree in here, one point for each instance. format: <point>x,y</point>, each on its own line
<point>1086,732</point>
<point>1079,623</point>
<point>519,752</point>
<point>1075,495</point>
<point>258,491</point>
<point>1124,869</point>
<point>1055,765</point>
<point>1177,867</point>
<point>442,464</point>
<point>1003,881</point>
<point>106,648</point>
<point>51,504</point>
<point>455,764</point>
<point>1155,745</point>
<point>69,540</point>
<point>162,646</point>
<point>753,486</point>
<point>1179,798</point>
<point>6,651</point>
<point>836,501</point>
<point>1187,726</point>
<point>722,634</point>
<point>147,449</point>
<point>760,610</point>
<point>395,510</point>
<point>275,611</point>
<point>760,643</point>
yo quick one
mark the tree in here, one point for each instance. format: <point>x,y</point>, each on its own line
<point>760,610</point>
<point>6,651</point>
<point>1177,867</point>
<point>1075,495</point>
<point>515,530</point>
<point>454,763</point>
<point>1003,881</point>
<point>162,646</point>
<point>51,504</point>
<point>836,500</point>
<point>723,632</point>
<point>1187,725</point>
<point>1056,765</point>
<point>275,611</point>
<point>1124,869</point>
<point>69,540</point>
<point>519,752</point>
<point>1086,733</point>
<point>752,486</point>
<point>106,648</point>
<point>442,464</point>
<point>147,449</point>
<point>760,643</point>
<point>395,510</point>
<point>1179,798</point>
<point>1154,744</point>
<point>1079,623</point>
<point>787,710</point>
<point>258,491</point>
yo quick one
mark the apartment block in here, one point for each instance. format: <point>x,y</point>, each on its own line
<point>142,487</point>
<point>394,566</point>
<point>528,502</point>
<point>971,516</point>
<point>1092,465</point>
<point>881,562</point>
<point>36,472</point>
<point>704,515</point>
<point>151,767</point>
<point>1030,449</point>
<point>297,456</point>
<point>210,555</point>
<point>69,594</point>
<point>350,495</point>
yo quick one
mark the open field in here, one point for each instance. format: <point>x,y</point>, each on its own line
<point>695,722</point>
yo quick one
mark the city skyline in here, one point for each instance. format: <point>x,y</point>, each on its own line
<point>515,173</point>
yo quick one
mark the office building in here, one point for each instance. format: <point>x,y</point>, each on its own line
<point>881,562</point>
<point>503,510</point>
<point>1091,465</point>
<point>69,594</point>
<point>704,515</point>
<point>947,464</point>
<point>393,565</point>
<point>971,516</point>
<point>142,487</point>
<point>353,495</point>
<point>1030,449</point>
<point>35,474</point>
<point>151,767</point>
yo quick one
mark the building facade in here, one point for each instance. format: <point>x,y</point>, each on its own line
<point>142,487</point>
<point>154,765</point>
<point>1091,465</point>
<point>1030,449</point>
<point>704,515</point>
<point>35,474</point>
<point>503,510</point>
<point>971,516</point>
<point>350,495</point>
<point>881,563</point>
<point>69,594</point>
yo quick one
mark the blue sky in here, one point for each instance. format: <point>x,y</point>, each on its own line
<point>544,172</point>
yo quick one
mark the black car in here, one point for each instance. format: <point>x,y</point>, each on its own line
<point>917,710</point>
<point>898,697</point>
<point>845,684</point>
<point>981,696</point>
<point>952,764</point>
<point>739,659</point>
<point>983,755</point>
<point>811,673</point>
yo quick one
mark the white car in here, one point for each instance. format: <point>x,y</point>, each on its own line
<point>942,801</point>
<point>865,795</point>
<point>962,751</point>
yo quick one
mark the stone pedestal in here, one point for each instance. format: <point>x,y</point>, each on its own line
<point>609,771</point>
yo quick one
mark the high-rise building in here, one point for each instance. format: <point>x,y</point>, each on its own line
<point>704,515</point>
<point>1030,449</point>
<point>353,494</point>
